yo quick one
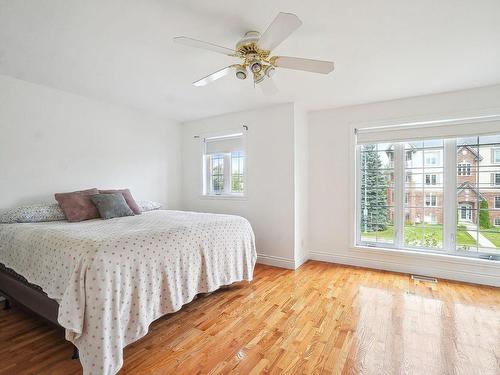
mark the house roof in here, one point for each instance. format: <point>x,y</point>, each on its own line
<point>468,186</point>
<point>471,150</point>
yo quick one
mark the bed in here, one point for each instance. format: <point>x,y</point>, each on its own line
<point>112,278</point>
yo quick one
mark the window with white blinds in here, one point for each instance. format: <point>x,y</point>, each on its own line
<point>416,191</point>
<point>224,169</point>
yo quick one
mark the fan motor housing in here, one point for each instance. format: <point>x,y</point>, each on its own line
<point>250,38</point>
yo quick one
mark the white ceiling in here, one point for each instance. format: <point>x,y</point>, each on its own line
<point>122,51</point>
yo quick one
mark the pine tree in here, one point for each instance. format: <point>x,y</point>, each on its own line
<point>373,191</point>
<point>484,215</point>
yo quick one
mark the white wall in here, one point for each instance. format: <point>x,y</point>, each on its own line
<point>269,205</point>
<point>52,141</point>
<point>301,179</point>
<point>331,189</point>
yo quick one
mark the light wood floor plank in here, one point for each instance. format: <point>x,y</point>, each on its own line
<point>320,319</point>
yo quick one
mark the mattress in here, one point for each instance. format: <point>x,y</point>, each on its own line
<point>112,278</point>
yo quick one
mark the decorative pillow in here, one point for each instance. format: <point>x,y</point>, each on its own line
<point>148,205</point>
<point>111,205</point>
<point>77,205</point>
<point>33,213</point>
<point>128,198</point>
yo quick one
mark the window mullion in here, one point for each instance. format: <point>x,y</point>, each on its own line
<point>399,182</point>
<point>449,195</point>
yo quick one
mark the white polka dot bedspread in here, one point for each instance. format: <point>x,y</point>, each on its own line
<point>112,278</point>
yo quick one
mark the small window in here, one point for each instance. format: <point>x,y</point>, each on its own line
<point>431,158</point>
<point>497,202</point>
<point>430,179</point>
<point>224,165</point>
<point>409,155</point>
<point>497,221</point>
<point>431,200</point>
<point>463,169</point>
<point>497,179</point>
<point>495,155</point>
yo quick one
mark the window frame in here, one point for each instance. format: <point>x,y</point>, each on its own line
<point>432,179</point>
<point>432,199</point>
<point>206,178</point>
<point>464,168</point>
<point>449,205</point>
<point>496,200</point>
<point>494,151</point>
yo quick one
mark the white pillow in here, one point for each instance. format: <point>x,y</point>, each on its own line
<point>148,205</point>
<point>33,213</point>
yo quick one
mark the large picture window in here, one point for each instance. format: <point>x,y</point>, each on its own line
<point>224,169</point>
<point>410,195</point>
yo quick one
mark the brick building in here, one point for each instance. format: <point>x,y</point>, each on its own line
<point>478,179</point>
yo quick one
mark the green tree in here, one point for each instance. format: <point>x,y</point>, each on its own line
<point>484,215</point>
<point>373,191</point>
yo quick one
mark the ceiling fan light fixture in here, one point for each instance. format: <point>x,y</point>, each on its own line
<point>269,71</point>
<point>256,66</point>
<point>241,72</point>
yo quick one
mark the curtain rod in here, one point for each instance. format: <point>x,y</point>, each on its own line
<point>243,126</point>
<point>426,124</point>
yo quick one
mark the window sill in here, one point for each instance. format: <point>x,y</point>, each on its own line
<point>429,254</point>
<point>225,197</point>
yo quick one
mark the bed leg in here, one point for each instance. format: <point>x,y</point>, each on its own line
<point>75,355</point>
<point>6,305</point>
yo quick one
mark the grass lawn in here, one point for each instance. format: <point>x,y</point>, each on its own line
<point>493,235</point>
<point>413,236</point>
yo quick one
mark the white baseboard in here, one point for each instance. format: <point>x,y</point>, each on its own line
<point>276,261</point>
<point>445,267</point>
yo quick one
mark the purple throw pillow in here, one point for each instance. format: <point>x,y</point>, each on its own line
<point>128,198</point>
<point>77,205</point>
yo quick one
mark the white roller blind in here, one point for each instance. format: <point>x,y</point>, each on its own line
<point>429,130</point>
<point>223,144</point>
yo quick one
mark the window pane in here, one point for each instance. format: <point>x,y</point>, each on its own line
<point>217,173</point>
<point>377,185</point>
<point>423,191</point>
<point>237,172</point>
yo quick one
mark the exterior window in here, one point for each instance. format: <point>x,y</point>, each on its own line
<point>409,155</point>
<point>495,153</point>
<point>430,179</point>
<point>430,200</point>
<point>464,169</point>
<point>496,179</point>
<point>431,158</point>
<point>224,166</point>
<point>412,206</point>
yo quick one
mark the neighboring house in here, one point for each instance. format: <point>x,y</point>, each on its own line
<point>478,179</point>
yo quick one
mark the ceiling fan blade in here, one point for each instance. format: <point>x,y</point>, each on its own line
<point>268,87</point>
<point>297,63</point>
<point>204,45</point>
<point>283,25</point>
<point>213,77</point>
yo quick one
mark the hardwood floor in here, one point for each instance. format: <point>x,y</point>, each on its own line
<point>322,318</point>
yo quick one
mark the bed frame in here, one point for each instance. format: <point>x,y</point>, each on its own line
<point>15,287</point>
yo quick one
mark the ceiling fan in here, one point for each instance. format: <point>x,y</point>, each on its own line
<point>254,52</point>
